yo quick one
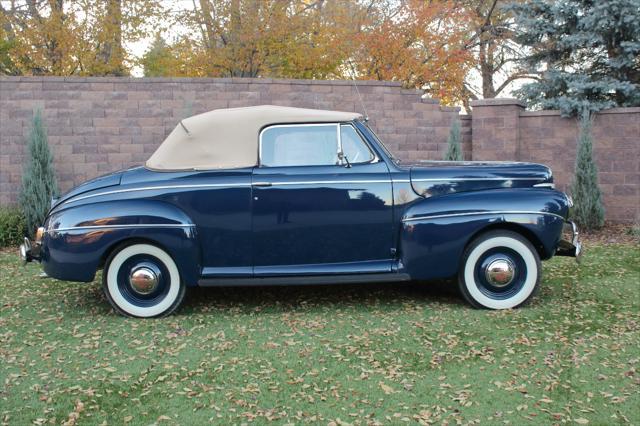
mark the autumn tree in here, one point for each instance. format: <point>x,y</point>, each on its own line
<point>420,43</point>
<point>63,37</point>
<point>271,38</point>
<point>110,55</point>
<point>41,35</point>
<point>496,53</point>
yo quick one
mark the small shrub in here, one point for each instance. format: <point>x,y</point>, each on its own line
<point>588,210</point>
<point>38,178</point>
<point>12,226</point>
<point>454,149</point>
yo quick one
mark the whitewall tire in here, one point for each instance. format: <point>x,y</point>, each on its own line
<point>499,270</point>
<point>142,280</point>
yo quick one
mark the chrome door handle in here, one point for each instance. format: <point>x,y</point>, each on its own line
<point>261,184</point>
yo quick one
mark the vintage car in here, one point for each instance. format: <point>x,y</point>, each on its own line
<point>271,195</point>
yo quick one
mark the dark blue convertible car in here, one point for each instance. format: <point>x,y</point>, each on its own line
<point>274,195</point>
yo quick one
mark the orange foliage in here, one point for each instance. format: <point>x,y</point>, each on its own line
<point>266,38</point>
<point>418,42</point>
<point>422,45</point>
<point>80,37</point>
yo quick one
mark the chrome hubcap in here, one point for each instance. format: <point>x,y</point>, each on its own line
<point>143,280</point>
<point>500,272</point>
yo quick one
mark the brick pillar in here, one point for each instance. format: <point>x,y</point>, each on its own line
<point>495,129</point>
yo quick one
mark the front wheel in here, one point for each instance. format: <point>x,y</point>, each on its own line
<point>142,280</point>
<point>500,270</point>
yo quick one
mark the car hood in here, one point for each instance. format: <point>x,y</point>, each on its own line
<point>111,179</point>
<point>443,177</point>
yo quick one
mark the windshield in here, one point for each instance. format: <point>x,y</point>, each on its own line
<point>382,145</point>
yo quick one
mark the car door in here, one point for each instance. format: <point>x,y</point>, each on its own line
<point>321,203</point>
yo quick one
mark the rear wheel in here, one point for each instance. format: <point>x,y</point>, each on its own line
<point>142,280</point>
<point>500,270</point>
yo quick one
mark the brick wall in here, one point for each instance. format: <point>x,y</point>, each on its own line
<point>97,125</point>
<point>546,137</point>
<point>502,128</point>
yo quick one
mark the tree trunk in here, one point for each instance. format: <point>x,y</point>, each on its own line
<point>53,44</point>
<point>207,21</point>
<point>111,54</point>
<point>486,67</point>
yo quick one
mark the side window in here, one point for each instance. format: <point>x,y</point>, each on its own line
<point>310,145</point>
<point>353,147</point>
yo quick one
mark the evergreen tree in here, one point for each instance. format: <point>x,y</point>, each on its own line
<point>38,177</point>
<point>7,67</point>
<point>586,53</point>
<point>454,149</point>
<point>159,60</point>
<point>588,210</point>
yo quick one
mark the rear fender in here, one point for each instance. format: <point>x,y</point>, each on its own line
<point>435,231</point>
<point>78,239</point>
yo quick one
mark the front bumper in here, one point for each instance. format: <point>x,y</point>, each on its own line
<point>30,252</point>
<point>570,244</point>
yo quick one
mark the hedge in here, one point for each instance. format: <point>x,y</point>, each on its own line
<point>12,226</point>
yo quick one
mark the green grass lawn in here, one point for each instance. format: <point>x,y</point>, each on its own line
<point>354,354</point>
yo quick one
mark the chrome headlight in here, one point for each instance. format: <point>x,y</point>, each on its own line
<point>39,234</point>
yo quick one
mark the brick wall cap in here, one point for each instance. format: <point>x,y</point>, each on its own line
<point>450,109</point>
<point>234,80</point>
<point>497,102</point>
<point>626,110</point>
<point>411,92</point>
<point>540,113</point>
<point>548,112</point>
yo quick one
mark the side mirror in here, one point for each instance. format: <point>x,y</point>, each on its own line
<point>343,159</point>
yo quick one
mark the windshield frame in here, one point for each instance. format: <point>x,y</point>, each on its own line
<point>379,142</point>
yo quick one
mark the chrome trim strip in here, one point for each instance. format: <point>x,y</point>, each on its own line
<point>220,185</point>
<point>325,182</point>
<point>152,188</point>
<point>248,184</point>
<point>545,185</point>
<point>473,179</point>
<point>123,226</point>
<point>339,136</point>
<point>411,219</point>
<point>275,126</point>
<point>474,162</point>
<point>375,158</point>
<point>338,125</point>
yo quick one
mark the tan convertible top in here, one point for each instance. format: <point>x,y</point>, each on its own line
<point>228,138</point>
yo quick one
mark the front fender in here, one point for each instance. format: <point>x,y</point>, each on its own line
<point>435,231</point>
<point>78,239</point>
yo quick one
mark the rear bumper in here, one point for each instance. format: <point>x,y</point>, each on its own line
<point>30,252</point>
<point>570,244</point>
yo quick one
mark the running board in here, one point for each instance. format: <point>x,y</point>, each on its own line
<point>303,280</point>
